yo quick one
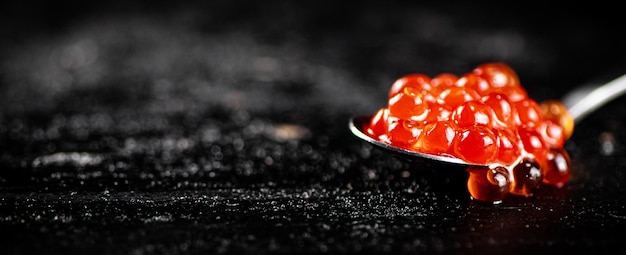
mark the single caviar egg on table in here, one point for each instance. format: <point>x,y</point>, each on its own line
<point>485,118</point>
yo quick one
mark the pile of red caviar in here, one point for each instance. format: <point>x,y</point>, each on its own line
<point>483,117</point>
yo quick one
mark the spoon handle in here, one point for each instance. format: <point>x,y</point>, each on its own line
<point>583,101</point>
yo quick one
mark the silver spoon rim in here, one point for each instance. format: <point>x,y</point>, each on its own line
<point>357,123</point>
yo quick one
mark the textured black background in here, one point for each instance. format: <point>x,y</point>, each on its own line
<point>221,127</point>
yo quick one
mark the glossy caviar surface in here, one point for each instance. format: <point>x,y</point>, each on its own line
<point>483,117</point>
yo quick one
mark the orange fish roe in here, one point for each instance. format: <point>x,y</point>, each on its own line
<point>483,117</point>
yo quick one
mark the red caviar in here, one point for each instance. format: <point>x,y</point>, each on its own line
<point>483,117</point>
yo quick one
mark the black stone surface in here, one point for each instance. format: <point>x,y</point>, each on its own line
<point>222,127</point>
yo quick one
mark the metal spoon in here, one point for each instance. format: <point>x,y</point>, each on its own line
<point>579,102</point>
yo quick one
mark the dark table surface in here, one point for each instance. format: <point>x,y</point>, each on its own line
<point>222,127</point>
